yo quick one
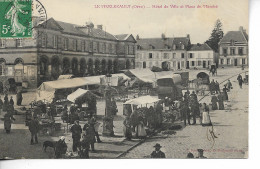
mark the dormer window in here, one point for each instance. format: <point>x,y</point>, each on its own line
<point>232,42</point>
<point>182,46</point>
<point>174,47</point>
<point>152,47</point>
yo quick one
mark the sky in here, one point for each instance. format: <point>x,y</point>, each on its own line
<point>152,22</point>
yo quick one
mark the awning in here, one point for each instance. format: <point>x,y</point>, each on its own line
<point>77,94</point>
<point>65,77</point>
<point>142,100</point>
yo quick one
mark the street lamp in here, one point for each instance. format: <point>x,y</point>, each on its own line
<point>108,119</point>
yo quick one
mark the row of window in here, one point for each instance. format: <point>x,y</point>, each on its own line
<point>167,55</point>
<point>228,61</point>
<point>83,45</point>
<point>233,51</point>
<point>17,41</point>
<point>157,56</point>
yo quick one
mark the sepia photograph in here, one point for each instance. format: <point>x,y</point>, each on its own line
<point>124,79</point>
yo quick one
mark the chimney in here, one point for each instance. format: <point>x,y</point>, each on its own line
<point>163,36</point>
<point>242,29</point>
<point>188,36</point>
<point>137,37</point>
<point>100,27</point>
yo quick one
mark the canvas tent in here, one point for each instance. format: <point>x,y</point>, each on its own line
<point>78,94</point>
<point>47,89</point>
<point>147,76</point>
<point>142,100</point>
<point>176,78</point>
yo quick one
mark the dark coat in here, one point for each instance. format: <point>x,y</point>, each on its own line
<point>8,121</point>
<point>76,131</point>
<point>158,154</point>
<point>214,101</point>
<point>89,135</point>
<point>212,86</point>
<point>225,95</point>
<point>217,86</point>
<point>220,102</point>
<point>60,148</point>
<point>11,101</point>
<point>34,126</point>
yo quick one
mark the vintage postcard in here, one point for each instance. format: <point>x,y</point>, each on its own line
<point>124,79</point>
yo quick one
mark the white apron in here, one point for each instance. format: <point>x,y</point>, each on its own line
<point>205,118</point>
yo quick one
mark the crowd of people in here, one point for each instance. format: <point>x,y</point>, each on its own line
<point>141,119</point>
<point>7,107</point>
<point>85,138</point>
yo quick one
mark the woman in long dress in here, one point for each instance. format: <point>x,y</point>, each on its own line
<point>140,132</point>
<point>220,102</point>
<point>225,95</point>
<point>205,116</point>
<point>214,101</point>
<point>127,128</point>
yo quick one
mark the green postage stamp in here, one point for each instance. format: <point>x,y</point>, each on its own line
<point>15,18</point>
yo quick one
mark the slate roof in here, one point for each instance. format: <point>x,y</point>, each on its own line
<point>200,47</point>
<point>178,41</point>
<point>155,43</point>
<point>237,36</point>
<point>77,29</point>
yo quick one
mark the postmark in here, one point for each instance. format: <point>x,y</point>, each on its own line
<point>39,17</point>
<point>15,18</point>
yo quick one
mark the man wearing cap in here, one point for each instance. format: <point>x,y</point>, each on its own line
<point>76,135</point>
<point>200,151</point>
<point>60,148</point>
<point>157,153</point>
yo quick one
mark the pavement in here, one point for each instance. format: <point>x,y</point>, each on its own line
<point>230,128</point>
<point>16,145</point>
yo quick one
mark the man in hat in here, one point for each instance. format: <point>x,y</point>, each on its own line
<point>240,80</point>
<point>60,147</point>
<point>11,102</point>
<point>157,153</point>
<point>217,89</point>
<point>19,98</point>
<point>200,151</point>
<point>212,87</point>
<point>76,135</point>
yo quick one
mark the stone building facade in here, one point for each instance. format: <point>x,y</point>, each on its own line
<point>165,53</point>
<point>200,56</point>
<point>64,48</point>
<point>173,53</point>
<point>233,48</point>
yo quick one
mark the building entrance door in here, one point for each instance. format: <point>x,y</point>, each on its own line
<point>187,65</point>
<point>18,73</point>
<point>179,65</point>
<point>235,62</point>
<point>204,64</point>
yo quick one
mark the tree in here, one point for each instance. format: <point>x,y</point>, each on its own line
<point>216,36</point>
